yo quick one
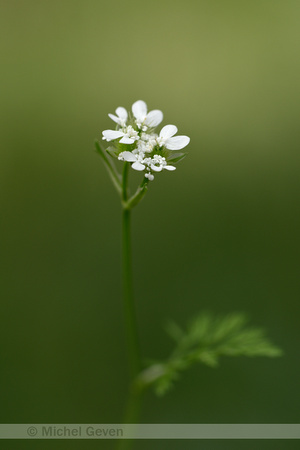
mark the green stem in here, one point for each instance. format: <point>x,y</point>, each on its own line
<point>131,416</point>
<point>129,306</point>
<point>135,394</point>
<point>110,167</point>
<point>125,182</point>
<point>137,197</point>
<point>130,314</point>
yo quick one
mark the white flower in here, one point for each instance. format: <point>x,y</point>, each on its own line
<point>121,117</point>
<point>128,135</point>
<point>156,164</point>
<point>149,151</point>
<point>144,120</point>
<point>172,143</point>
<point>135,159</point>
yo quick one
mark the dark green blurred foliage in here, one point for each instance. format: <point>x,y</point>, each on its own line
<point>221,233</point>
<point>205,340</point>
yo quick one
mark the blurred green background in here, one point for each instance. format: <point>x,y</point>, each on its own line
<point>221,233</point>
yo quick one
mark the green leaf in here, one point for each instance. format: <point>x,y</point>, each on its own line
<point>176,157</point>
<point>112,152</point>
<point>205,340</point>
<point>209,358</point>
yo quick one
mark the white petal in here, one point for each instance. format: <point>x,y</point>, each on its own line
<point>168,131</point>
<point>156,168</point>
<point>139,110</point>
<point>122,113</point>
<point>126,140</point>
<point>114,118</point>
<point>177,142</point>
<point>154,118</point>
<point>170,167</point>
<point>128,156</point>
<point>112,134</point>
<point>138,166</point>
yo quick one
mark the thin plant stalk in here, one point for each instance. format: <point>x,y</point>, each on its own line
<point>134,400</point>
<point>129,305</point>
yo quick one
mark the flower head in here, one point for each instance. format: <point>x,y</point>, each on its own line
<point>148,151</point>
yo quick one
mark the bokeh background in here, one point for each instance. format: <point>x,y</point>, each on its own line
<point>221,233</point>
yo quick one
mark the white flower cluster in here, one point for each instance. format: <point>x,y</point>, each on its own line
<point>148,151</point>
